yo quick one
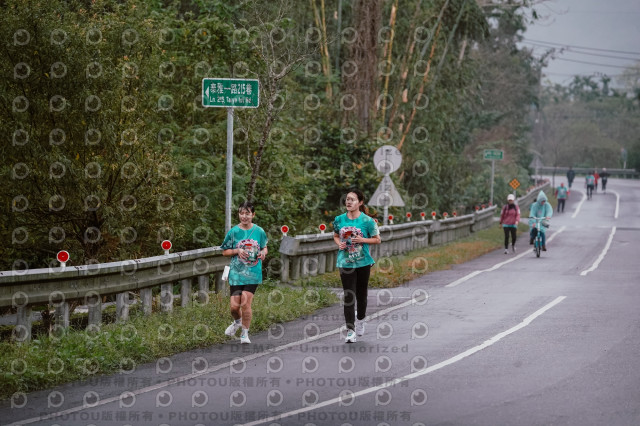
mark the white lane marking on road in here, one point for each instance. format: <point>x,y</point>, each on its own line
<point>414,300</point>
<point>615,214</point>
<point>495,339</point>
<point>498,265</point>
<point>602,254</point>
<point>584,197</point>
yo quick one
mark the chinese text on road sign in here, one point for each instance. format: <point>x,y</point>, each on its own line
<point>230,92</point>
<point>493,154</point>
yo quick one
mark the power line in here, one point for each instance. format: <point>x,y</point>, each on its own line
<point>590,63</point>
<point>593,63</point>
<point>584,47</point>
<point>579,74</point>
<point>569,50</point>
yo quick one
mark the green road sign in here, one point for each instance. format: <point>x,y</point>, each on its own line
<point>230,92</point>
<point>493,154</point>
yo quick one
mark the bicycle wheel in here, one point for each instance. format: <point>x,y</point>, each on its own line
<point>538,246</point>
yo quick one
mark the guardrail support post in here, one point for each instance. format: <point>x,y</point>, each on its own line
<point>95,310</point>
<point>295,268</point>
<point>331,261</point>
<point>185,292</point>
<point>222,287</point>
<point>146,296</point>
<point>62,315</point>
<point>166,297</point>
<point>122,306</point>
<point>322,263</point>
<point>284,274</point>
<point>203,288</point>
<point>22,332</point>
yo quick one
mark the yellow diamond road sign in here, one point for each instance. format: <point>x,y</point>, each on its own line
<point>514,184</point>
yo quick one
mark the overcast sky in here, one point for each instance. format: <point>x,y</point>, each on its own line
<point>613,26</point>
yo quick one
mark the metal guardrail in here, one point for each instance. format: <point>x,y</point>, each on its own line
<point>310,255</point>
<point>302,256</point>
<point>562,171</point>
<point>89,283</point>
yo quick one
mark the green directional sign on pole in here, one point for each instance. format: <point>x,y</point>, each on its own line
<point>493,154</point>
<point>230,93</point>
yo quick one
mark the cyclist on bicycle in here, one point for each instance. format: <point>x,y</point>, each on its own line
<point>540,208</point>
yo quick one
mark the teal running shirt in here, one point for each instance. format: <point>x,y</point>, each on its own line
<point>249,271</point>
<point>355,255</point>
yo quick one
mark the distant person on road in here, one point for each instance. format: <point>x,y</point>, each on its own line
<point>604,176</point>
<point>509,219</point>
<point>570,176</point>
<point>589,183</point>
<point>561,195</point>
<point>596,176</point>
<point>246,243</point>
<point>354,231</point>
<point>540,208</point>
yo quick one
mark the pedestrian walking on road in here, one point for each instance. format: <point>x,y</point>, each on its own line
<point>589,183</point>
<point>246,243</point>
<point>509,219</point>
<point>596,176</point>
<point>570,176</point>
<point>354,231</point>
<point>604,176</point>
<point>540,208</point>
<point>561,195</point>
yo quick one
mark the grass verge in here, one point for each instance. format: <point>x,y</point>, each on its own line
<point>49,361</point>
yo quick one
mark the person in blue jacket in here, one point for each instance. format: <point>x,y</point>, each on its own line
<point>540,208</point>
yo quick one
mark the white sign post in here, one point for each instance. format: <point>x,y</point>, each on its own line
<point>230,93</point>
<point>493,155</point>
<point>387,159</point>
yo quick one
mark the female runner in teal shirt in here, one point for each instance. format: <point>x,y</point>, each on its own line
<point>246,243</point>
<point>353,232</point>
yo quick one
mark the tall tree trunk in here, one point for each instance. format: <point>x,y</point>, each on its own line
<point>360,80</point>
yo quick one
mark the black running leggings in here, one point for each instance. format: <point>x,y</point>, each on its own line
<point>509,230</point>
<point>355,283</point>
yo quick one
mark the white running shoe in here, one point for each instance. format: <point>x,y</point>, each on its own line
<point>513,249</point>
<point>232,329</point>
<point>351,337</point>
<point>360,327</point>
<point>244,337</point>
<point>506,251</point>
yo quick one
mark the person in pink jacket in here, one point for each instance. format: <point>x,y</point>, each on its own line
<point>509,219</point>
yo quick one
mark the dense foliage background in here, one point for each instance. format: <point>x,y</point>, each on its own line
<point>108,150</point>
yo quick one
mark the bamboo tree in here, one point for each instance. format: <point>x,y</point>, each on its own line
<point>422,84</point>
<point>424,80</point>
<point>389,47</point>
<point>321,23</point>
<point>426,73</point>
<point>404,70</point>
